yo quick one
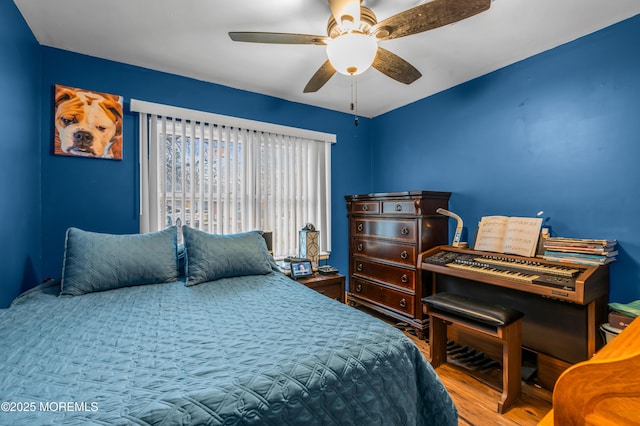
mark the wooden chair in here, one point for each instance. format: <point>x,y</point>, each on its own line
<point>604,390</point>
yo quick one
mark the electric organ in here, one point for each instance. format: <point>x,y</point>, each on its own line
<point>563,304</point>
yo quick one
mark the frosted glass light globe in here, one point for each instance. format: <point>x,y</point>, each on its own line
<point>352,53</point>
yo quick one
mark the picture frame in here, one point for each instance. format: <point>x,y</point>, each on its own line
<point>301,269</point>
<point>87,123</point>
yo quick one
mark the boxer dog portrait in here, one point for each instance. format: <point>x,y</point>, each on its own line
<point>87,124</point>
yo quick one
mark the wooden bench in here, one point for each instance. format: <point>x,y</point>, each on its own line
<point>486,320</point>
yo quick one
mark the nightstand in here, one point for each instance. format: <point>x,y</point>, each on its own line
<point>330,285</point>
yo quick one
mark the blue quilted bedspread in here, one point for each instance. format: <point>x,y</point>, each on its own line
<point>260,350</point>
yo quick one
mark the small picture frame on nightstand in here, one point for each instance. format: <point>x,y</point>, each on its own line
<point>301,269</point>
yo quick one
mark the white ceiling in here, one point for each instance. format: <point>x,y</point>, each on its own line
<point>190,38</point>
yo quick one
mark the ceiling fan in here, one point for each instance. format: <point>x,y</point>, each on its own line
<point>353,34</point>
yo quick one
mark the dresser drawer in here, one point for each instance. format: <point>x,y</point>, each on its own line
<point>393,299</point>
<point>399,207</point>
<point>330,285</point>
<point>389,274</point>
<point>405,230</point>
<point>365,207</point>
<point>394,252</point>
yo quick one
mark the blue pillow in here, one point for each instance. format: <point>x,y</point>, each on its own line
<point>210,256</point>
<point>97,262</point>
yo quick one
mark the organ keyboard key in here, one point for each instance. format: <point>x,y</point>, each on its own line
<point>575,283</point>
<point>529,265</point>
<point>477,267</point>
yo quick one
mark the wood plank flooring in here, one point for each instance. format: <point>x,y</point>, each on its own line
<point>476,394</point>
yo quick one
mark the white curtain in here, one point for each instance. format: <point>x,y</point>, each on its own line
<point>198,170</point>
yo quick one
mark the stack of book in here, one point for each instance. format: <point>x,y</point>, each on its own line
<point>581,251</point>
<point>620,317</point>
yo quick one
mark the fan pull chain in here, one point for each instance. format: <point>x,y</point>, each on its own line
<point>354,99</point>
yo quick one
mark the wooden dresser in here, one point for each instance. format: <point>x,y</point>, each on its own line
<point>387,231</point>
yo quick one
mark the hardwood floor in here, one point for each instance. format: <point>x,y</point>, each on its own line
<point>476,395</point>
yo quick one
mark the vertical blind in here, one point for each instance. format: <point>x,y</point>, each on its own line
<point>224,175</point>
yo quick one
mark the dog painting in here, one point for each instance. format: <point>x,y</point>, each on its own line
<point>87,124</point>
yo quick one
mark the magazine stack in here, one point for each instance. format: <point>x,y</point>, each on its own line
<point>582,251</point>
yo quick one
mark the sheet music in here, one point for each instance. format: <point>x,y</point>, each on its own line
<point>491,233</point>
<point>513,235</point>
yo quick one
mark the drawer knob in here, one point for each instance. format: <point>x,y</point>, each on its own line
<point>404,255</point>
<point>398,207</point>
<point>365,207</point>
<point>403,303</point>
<point>358,288</point>
<point>360,227</point>
<point>360,247</point>
<point>404,278</point>
<point>405,231</point>
<point>360,267</point>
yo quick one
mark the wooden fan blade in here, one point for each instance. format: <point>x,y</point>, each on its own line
<point>348,10</point>
<point>324,73</point>
<point>395,67</point>
<point>278,38</point>
<point>428,16</point>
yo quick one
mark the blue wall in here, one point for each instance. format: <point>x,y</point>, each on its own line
<point>558,132</point>
<point>102,195</point>
<point>19,155</point>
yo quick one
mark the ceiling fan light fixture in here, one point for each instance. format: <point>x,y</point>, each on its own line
<point>352,53</point>
<point>353,34</point>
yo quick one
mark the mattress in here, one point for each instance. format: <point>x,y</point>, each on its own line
<point>260,350</point>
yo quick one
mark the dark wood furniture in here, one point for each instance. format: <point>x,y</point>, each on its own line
<point>563,308</point>
<point>485,320</point>
<point>603,390</point>
<point>330,285</point>
<point>386,233</point>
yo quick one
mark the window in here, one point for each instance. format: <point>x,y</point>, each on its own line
<point>225,175</point>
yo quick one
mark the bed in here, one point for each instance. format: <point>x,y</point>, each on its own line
<point>125,339</point>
